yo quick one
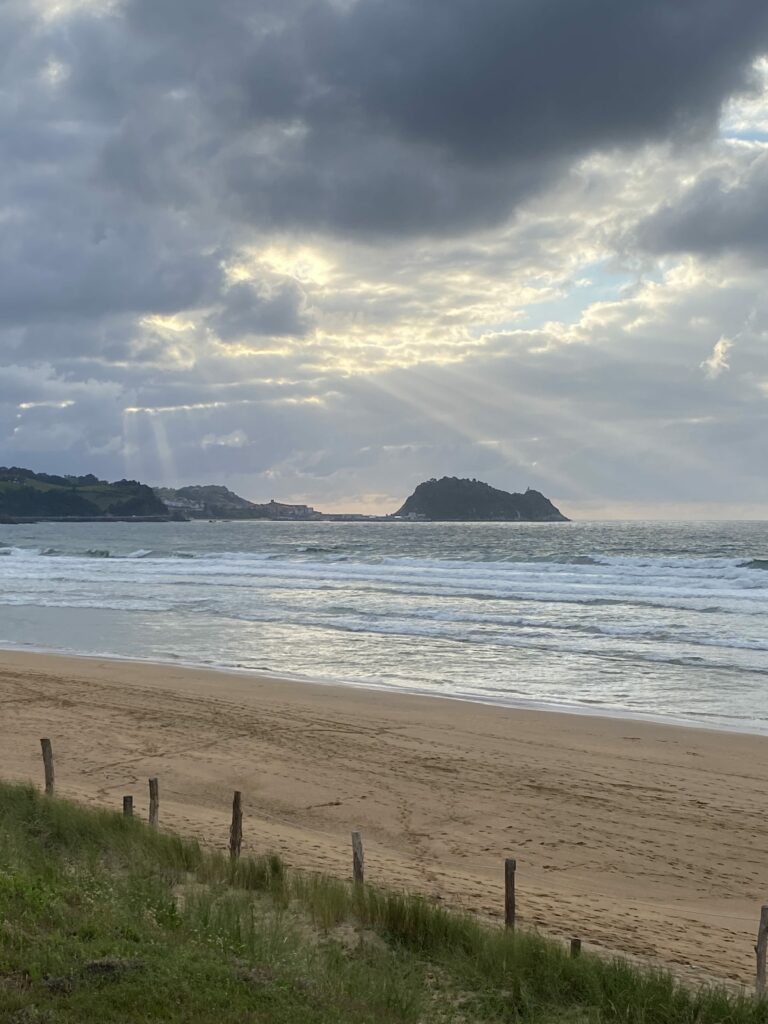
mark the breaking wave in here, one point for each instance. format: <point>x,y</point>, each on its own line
<point>673,620</point>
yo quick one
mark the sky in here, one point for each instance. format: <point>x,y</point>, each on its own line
<point>321,250</point>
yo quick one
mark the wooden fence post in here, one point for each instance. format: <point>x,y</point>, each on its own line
<point>154,802</point>
<point>358,869</point>
<point>760,950</point>
<point>510,866</point>
<point>575,948</point>
<point>236,828</point>
<point>48,766</point>
<point>127,806</point>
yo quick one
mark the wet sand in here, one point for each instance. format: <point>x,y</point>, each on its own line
<point>640,838</point>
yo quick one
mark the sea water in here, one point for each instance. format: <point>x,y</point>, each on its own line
<point>663,620</point>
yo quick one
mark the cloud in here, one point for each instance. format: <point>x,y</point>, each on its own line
<point>495,80</point>
<point>266,308</point>
<point>237,439</point>
<point>716,214</point>
<point>718,363</point>
<point>319,249</point>
<point>396,118</point>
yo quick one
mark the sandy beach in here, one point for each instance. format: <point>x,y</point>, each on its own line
<point>641,838</point>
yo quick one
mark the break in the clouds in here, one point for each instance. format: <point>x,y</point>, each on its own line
<point>320,249</point>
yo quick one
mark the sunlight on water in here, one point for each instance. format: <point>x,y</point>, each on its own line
<point>658,619</point>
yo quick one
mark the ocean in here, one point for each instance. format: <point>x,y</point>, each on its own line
<point>660,620</point>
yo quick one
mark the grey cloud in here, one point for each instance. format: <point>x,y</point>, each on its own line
<point>392,117</point>
<point>61,269</point>
<point>167,129</point>
<point>48,420</point>
<point>714,216</point>
<point>492,79</point>
<point>73,246</point>
<point>360,185</point>
<point>266,308</point>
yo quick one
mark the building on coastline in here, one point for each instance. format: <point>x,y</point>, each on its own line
<point>279,510</point>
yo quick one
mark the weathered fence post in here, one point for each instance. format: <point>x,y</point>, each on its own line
<point>236,828</point>
<point>510,867</point>
<point>575,948</point>
<point>761,949</point>
<point>154,802</point>
<point>127,806</point>
<point>48,766</point>
<point>358,868</point>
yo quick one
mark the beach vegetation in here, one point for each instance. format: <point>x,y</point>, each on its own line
<point>105,919</point>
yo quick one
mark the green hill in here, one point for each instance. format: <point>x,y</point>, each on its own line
<point>210,501</point>
<point>103,919</point>
<point>24,494</point>
<point>454,499</point>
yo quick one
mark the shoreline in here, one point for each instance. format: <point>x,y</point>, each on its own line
<point>643,839</point>
<point>465,697</point>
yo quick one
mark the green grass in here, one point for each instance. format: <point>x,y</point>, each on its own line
<point>105,920</point>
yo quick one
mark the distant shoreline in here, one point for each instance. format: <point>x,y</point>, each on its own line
<point>31,520</point>
<point>329,517</point>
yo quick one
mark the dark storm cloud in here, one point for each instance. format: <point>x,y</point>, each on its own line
<point>715,216</point>
<point>494,79</point>
<point>140,145</point>
<point>395,116</point>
